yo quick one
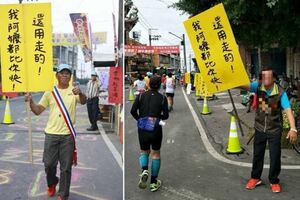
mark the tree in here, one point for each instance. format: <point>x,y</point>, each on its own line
<point>260,23</point>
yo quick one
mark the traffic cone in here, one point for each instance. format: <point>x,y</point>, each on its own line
<point>188,89</point>
<point>205,109</point>
<point>131,95</point>
<point>234,146</point>
<point>7,116</point>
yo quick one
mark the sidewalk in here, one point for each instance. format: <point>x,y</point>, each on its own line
<point>217,127</point>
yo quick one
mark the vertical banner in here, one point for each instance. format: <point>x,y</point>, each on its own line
<point>12,42</point>
<point>216,50</point>
<point>38,36</point>
<point>115,91</point>
<point>82,31</point>
<point>103,75</point>
<point>203,91</point>
<point>26,47</point>
<point>197,84</point>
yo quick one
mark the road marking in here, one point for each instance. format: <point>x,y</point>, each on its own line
<point>86,195</point>
<point>211,149</point>
<point>111,147</point>
<point>8,137</point>
<point>181,194</point>
<point>4,176</point>
<point>27,162</point>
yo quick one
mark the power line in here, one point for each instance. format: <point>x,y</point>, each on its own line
<point>144,19</point>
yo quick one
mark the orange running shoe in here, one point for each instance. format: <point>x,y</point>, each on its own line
<point>252,183</point>
<point>51,190</point>
<point>276,188</point>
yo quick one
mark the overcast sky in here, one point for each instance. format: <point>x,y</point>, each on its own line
<point>99,14</point>
<point>156,14</point>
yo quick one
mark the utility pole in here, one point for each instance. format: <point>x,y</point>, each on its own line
<point>149,30</point>
<point>150,44</point>
<point>120,34</point>
<point>184,49</point>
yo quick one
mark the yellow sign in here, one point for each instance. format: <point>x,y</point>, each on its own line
<point>201,86</point>
<point>26,53</point>
<point>216,50</point>
<point>69,39</point>
<point>187,78</point>
<point>196,77</point>
<point>197,84</point>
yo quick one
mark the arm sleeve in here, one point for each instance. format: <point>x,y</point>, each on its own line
<point>44,101</point>
<point>253,87</point>
<point>165,109</point>
<point>134,108</point>
<point>285,103</point>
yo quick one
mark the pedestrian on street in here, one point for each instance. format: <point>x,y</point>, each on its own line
<point>271,101</point>
<point>170,90</point>
<point>149,109</point>
<point>147,80</point>
<point>92,93</point>
<point>59,143</point>
<point>140,84</point>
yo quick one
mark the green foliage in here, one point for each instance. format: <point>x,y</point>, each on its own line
<point>255,22</point>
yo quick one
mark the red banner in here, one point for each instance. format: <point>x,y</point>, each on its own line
<point>82,31</point>
<point>115,89</point>
<point>152,49</point>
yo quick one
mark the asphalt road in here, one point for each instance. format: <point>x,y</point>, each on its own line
<point>97,176</point>
<point>189,171</point>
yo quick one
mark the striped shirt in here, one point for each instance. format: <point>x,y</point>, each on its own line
<point>92,89</point>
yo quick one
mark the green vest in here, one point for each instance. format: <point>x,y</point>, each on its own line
<point>268,117</point>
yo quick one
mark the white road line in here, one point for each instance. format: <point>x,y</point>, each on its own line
<point>211,149</point>
<point>110,145</point>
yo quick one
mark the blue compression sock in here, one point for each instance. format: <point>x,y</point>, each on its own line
<point>144,160</point>
<point>155,167</point>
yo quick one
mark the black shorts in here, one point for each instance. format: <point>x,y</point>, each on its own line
<point>150,140</point>
<point>170,94</point>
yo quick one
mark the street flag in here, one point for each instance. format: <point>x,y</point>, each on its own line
<point>83,33</point>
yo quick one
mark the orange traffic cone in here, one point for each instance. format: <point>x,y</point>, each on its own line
<point>7,119</point>
<point>234,146</point>
<point>205,109</point>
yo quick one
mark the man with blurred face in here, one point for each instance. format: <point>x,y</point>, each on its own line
<point>271,101</point>
<point>59,145</point>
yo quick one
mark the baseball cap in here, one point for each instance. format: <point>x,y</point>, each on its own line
<point>93,73</point>
<point>64,66</point>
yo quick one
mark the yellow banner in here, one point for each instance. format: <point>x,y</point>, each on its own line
<point>26,53</point>
<point>197,84</point>
<point>12,42</point>
<point>187,78</point>
<point>196,79</point>
<point>216,50</point>
<point>201,86</point>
